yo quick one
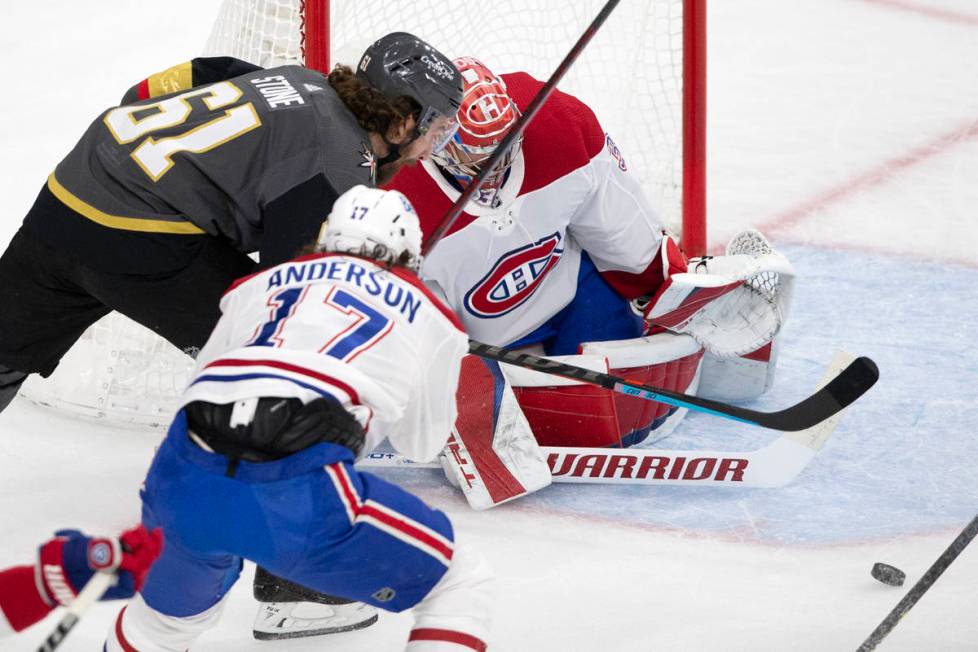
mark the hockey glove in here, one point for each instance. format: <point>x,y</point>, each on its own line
<point>67,562</point>
<point>732,304</point>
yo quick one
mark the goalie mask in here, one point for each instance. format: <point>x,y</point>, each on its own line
<point>403,64</point>
<point>485,117</point>
<point>374,223</point>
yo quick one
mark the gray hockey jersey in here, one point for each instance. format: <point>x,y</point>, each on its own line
<point>215,159</point>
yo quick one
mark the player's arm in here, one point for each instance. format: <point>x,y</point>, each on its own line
<point>64,566</point>
<point>187,75</point>
<point>430,413</point>
<point>617,226</point>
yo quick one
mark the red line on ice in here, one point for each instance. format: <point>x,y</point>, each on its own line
<point>875,176</point>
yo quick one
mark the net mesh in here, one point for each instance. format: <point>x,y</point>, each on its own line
<point>630,75</point>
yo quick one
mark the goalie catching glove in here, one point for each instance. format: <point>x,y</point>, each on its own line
<point>732,304</point>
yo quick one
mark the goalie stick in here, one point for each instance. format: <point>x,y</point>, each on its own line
<point>88,596</point>
<point>507,142</point>
<point>774,465</point>
<point>851,382</point>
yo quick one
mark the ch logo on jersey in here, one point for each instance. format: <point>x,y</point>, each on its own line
<point>514,278</point>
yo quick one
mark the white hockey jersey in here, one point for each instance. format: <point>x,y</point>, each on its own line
<point>506,271</point>
<point>335,325</point>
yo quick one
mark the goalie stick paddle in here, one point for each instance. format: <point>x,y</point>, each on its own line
<point>88,596</point>
<point>774,465</point>
<point>923,584</point>
<point>531,110</point>
<point>851,383</point>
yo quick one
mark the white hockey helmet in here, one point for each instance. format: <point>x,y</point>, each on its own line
<point>375,223</point>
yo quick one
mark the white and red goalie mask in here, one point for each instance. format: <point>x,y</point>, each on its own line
<point>485,117</point>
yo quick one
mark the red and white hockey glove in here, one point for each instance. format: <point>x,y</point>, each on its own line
<point>67,562</point>
<point>732,304</point>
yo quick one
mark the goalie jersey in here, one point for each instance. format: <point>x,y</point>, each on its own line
<point>508,270</point>
<point>331,325</point>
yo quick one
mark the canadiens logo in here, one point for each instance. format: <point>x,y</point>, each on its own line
<point>514,278</point>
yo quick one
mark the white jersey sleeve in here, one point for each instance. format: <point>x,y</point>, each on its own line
<point>615,224</point>
<point>343,328</point>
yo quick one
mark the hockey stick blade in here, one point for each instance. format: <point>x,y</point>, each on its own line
<point>851,383</point>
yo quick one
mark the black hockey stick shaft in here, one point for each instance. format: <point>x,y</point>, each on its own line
<point>920,588</point>
<point>531,110</point>
<point>851,383</point>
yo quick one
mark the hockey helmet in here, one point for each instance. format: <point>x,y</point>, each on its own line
<point>486,115</point>
<point>374,223</point>
<point>403,64</point>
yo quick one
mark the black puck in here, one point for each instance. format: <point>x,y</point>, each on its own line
<point>888,574</point>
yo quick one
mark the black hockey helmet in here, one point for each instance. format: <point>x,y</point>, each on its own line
<point>403,64</point>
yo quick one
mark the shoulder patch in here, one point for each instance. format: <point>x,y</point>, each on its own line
<point>369,161</point>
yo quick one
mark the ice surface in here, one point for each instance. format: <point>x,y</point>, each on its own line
<point>846,129</point>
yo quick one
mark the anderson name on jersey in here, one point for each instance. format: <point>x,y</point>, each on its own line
<point>335,325</point>
<point>508,270</point>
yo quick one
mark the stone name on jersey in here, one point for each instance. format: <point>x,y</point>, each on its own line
<point>277,91</point>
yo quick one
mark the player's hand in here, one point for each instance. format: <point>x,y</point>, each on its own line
<point>68,561</point>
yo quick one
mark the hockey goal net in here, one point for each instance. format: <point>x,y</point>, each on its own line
<point>643,74</point>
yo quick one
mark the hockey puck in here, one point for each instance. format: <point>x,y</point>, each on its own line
<point>888,574</point>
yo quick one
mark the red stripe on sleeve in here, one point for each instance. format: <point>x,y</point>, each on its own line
<point>285,366</point>
<point>142,90</point>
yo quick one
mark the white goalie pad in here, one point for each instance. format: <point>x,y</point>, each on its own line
<point>492,455</point>
<point>733,304</point>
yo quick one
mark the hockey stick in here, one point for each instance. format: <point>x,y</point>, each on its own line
<point>531,110</point>
<point>921,587</point>
<point>774,465</point>
<point>89,595</point>
<point>851,383</point>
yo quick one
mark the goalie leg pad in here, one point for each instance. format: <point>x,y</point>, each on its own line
<point>492,454</point>
<point>563,412</point>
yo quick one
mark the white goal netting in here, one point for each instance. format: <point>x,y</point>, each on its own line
<point>631,75</point>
